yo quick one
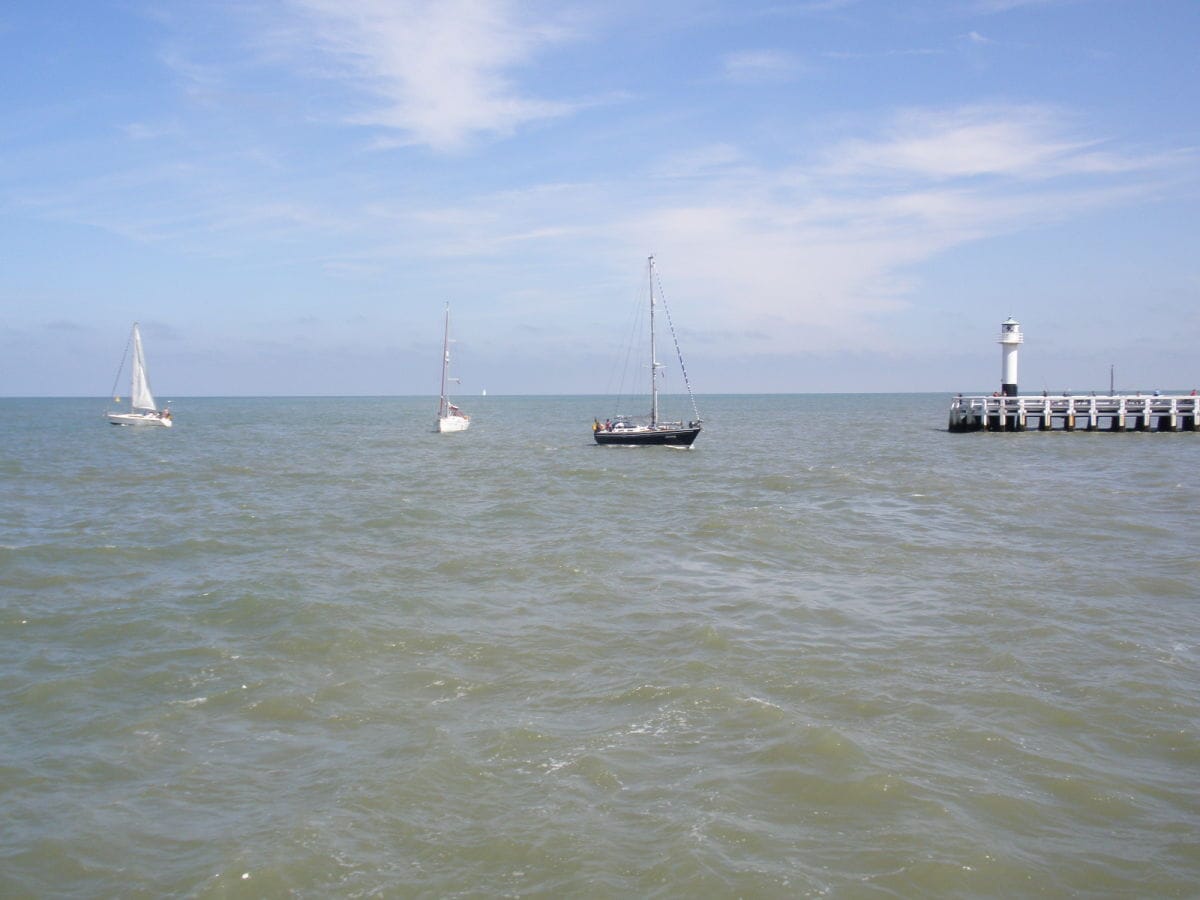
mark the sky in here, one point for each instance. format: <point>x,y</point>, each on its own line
<point>840,195</point>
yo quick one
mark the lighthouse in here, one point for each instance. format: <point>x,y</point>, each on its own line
<point>1010,339</point>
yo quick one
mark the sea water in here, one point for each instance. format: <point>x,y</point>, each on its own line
<point>308,647</point>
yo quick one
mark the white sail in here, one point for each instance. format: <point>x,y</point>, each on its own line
<point>139,391</point>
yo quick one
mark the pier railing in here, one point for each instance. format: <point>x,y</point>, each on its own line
<point>1066,412</point>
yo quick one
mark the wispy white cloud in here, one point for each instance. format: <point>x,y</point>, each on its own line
<point>823,6</point>
<point>760,67</point>
<point>149,131</point>
<point>770,257</point>
<point>1028,142</point>
<point>702,162</point>
<point>830,272</point>
<point>434,72</point>
<point>824,251</point>
<point>999,6</point>
<point>854,54</point>
<point>200,81</point>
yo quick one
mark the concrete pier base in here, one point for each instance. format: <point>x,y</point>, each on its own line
<point>1119,412</point>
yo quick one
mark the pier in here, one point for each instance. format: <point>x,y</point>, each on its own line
<point>1064,412</point>
<point>1007,410</point>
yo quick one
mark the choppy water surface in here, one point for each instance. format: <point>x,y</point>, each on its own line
<point>308,647</point>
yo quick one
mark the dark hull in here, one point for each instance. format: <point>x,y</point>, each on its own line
<point>674,437</point>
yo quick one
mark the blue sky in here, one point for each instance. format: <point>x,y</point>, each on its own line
<point>841,195</point>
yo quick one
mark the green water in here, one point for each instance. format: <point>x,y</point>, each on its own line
<point>306,647</point>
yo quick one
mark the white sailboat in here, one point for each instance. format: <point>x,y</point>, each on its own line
<point>450,417</point>
<point>652,428</point>
<point>142,408</point>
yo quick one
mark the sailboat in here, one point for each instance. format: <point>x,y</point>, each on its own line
<point>142,408</point>
<point>450,417</point>
<point>652,429</point>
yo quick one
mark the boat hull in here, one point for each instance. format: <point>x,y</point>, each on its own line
<point>674,437</point>
<point>152,419</point>
<point>447,424</point>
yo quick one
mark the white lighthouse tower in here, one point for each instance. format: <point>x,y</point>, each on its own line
<point>1010,339</point>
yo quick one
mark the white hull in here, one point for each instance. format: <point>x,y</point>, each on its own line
<point>453,423</point>
<point>138,419</point>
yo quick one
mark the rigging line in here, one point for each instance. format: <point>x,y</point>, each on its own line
<point>678,353</point>
<point>121,367</point>
<point>624,376</point>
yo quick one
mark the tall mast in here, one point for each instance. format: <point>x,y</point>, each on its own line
<point>445,361</point>
<point>654,366</point>
<point>135,367</point>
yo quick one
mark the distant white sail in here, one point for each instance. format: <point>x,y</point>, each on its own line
<point>139,391</point>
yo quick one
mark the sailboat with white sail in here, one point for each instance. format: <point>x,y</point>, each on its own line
<point>449,417</point>
<point>653,428</point>
<point>142,408</point>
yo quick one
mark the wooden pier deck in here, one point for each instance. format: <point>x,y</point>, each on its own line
<point>1066,412</point>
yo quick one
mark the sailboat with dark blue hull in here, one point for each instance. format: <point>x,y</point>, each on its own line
<point>652,429</point>
<point>677,435</point>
